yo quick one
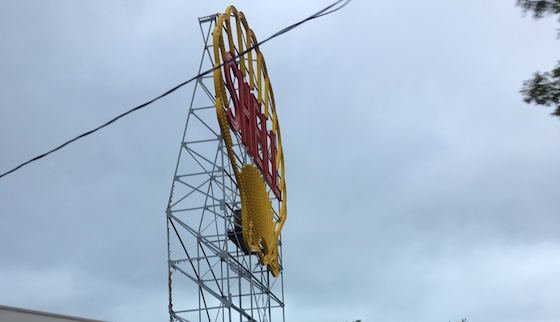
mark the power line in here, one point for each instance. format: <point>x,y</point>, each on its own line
<point>325,11</point>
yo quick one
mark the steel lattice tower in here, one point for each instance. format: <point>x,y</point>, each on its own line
<point>211,277</point>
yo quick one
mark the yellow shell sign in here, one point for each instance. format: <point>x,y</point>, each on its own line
<point>247,110</point>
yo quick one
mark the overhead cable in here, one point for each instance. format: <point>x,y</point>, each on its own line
<point>327,10</point>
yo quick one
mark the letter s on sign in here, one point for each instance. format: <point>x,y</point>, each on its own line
<point>229,67</point>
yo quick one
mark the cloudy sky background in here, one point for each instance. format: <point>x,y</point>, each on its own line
<point>420,186</point>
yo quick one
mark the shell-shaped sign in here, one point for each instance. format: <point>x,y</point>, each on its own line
<point>245,107</point>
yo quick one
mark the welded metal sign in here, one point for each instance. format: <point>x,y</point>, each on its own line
<point>245,107</point>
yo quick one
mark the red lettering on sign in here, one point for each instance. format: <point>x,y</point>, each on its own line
<point>231,66</point>
<point>246,117</point>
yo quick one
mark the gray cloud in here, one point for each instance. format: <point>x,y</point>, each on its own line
<point>420,186</point>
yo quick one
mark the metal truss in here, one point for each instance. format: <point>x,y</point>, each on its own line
<point>211,277</point>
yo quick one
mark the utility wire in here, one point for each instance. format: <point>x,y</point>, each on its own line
<point>327,10</point>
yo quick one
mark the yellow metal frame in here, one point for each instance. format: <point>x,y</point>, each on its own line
<point>260,230</point>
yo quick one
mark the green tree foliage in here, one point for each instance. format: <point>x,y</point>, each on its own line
<point>540,7</point>
<point>543,88</point>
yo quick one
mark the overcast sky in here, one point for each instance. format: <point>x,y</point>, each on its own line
<point>421,187</point>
